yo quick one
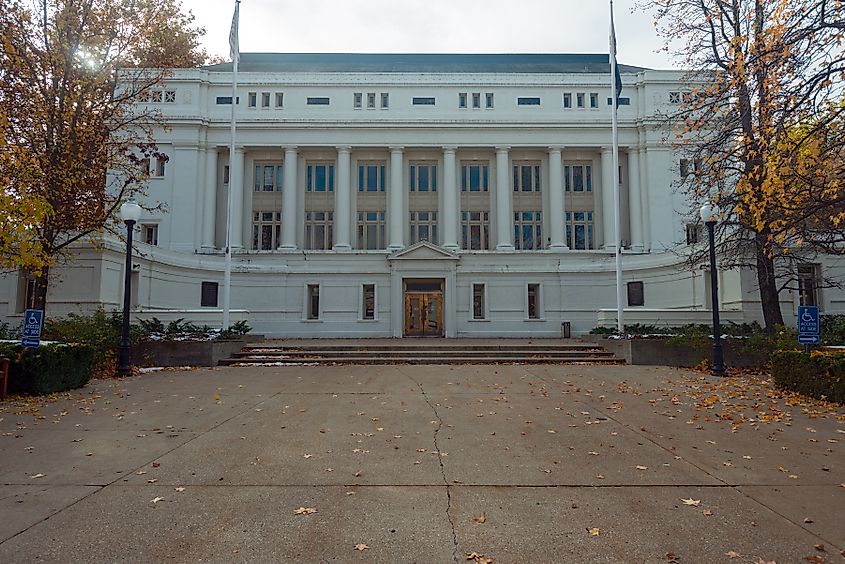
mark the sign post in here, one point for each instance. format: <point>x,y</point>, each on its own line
<point>809,328</point>
<point>32,322</point>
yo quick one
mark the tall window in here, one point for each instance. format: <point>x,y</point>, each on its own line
<point>371,177</point>
<point>266,230</point>
<point>533,301</point>
<point>579,230</point>
<point>252,99</point>
<point>385,100</point>
<point>594,100</point>
<point>567,100</point>
<point>423,177</point>
<point>478,309</point>
<point>371,230</point>
<point>280,99</point>
<point>475,177</point>
<point>357,99</point>
<point>368,301</point>
<point>149,233</point>
<point>488,98</point>
<point>423,226</point>
<point>579,98</point>
<point>808,293</point>
<point>578,178</point>
<point>268,177</point>
<point>462,100</point>
<point>265,99</point>
<point>313,301</point>
<point>319,177</point>
<point>371,99</point>
<point>318,230</point>
<point>476,99</point>
<point>526,177</point>
<point>475,230</point>
<point>527,230</point>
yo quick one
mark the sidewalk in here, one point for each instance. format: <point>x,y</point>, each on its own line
<point>517,463</point>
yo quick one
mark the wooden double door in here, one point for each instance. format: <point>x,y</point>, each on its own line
<point>424,309</point>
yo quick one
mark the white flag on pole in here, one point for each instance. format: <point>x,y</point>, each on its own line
<point>234,48</point>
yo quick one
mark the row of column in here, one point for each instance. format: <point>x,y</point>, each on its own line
<point>396,200</point>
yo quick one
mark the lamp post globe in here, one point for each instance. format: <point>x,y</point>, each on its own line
<point>130,213</point>
<point>709,214</point>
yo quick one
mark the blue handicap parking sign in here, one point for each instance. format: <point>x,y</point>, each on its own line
<point>32,322</point>
<point>809,328</point>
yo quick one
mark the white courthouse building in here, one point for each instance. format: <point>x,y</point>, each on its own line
<point>397,195</point>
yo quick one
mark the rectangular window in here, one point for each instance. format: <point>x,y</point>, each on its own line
<point>252,99</point>
<point>424,226</point>
<point>385,100</point>
<point>567,101</point>
<point>371,99</point>
<point>636,294</point>
<point>488,100</point>
<point>371,230</point>
<point>26,295</point>
<point>268,178</point>
<point>533,301</point>
<point>475,230</point>
<point>462,100</point>
<point>313,305</point>
<point>280,99</point>
<point>317,101</point>
<point>424,101</point>
<point>693,233</point>
<point>423,177</point>
<point>149,233</point>
<point>371,177</point>
<point>528,101</point>
<point>476,99</point>
<point>808,292</point>
<point>578,178</point>
<point>527,230</point>
<point>226,100</point>
<point>357,99</point>
<point>594,100</point>
<point>265,99</point>
<point>208,294</point>
<point>478,310</point>
<point>684,166</point>
<point>368,301</point>
<point>159,170</point>
<point>475,177</point>
<point>266,230</point>
<point>318,230</point>
<point>579,98</point>
<point>526,177</point>
<point>225,174</point>
<point>619,101</point>
<point>319,177</point>
<point>579,230</point>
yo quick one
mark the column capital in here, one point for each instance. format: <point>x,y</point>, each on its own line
<point>396,149</point>
<point>606,150</point>
<point>240,148</point>
<point>344,148</point>
<point>450,149</point>
<point>502,149</point>
<point>555,149</point>
<point>290,148</point>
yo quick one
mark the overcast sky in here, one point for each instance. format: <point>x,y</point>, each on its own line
<point>432,26</point>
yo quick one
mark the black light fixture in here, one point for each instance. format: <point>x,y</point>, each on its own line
<point>130,213</point>
<point>709,215</point>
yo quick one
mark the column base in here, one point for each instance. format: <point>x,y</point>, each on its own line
<point>505,248</point>
<point>452,248</point>
<point>342,248</point>
<point>208,249</point>
<point>560,247</point>
<point>287,248</point>
<point>637,249</point>
<point>394,248</point>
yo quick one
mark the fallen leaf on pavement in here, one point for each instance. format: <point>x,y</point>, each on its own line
<point>479,558</point>
<point>732,554</point>
<point>690,501</point>
<point>594,531</point>
<point>157,499</point>
<point>819,547</point>
<point>179,489</point>
<point>37,476</point>
<point>480,519</point>
<point>640,467</point>
<point>361,546</point>
<point>305,511</point>
<point>814,558</point>
<point>708,513</point>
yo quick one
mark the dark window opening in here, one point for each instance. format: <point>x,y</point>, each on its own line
<point>478,301</point>
<point>636,294</point>
<point>422,101</point>
<point>533,301</point>
<point>368,308</point>
<point>313,301</point>
<point>317,101</point>
<point>208,295</point>
<point>528,101</point>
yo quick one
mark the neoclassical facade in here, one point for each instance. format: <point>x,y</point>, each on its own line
<point>411,195</point>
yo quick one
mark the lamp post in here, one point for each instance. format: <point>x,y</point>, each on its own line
<point>130,213</point>
<point>709,214</point>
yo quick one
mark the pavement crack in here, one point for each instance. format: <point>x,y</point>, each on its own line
<point>442,468</point>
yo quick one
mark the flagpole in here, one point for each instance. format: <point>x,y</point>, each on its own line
<point>227,270</point>
<point>615,88</point>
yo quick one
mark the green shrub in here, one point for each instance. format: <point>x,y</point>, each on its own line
<point>48,368</point>
<point>816,374</point>
<point>833,329</point>
<point>7,332</point>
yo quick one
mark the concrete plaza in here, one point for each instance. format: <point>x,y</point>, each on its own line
<point>516,463</point>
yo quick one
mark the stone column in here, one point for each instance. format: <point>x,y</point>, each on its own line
<point>209,207</point>
<point>556,201</point>
<point>634,202</point>
<point>450,200</point>
<point>607,188</point>
<point>504,211</point>
<point>342,213</point>
<point>644,199</point>
<point>396,217</point>
<point>236,200</point>
<point>289,191</point>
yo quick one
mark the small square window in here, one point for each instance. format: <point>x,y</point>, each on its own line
<point>170,96</point>
<point>488,98</point>
<point>385,100</point>
<point>371,100</point>
<point>674,97</point>
<point>265,99</point>
<point>208,294</point>
<point>252,99</point>
<point>462,100</point>
<point>636,294</point>
<point>280,99</point>
<point>313,305</point>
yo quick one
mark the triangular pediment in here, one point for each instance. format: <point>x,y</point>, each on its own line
<point>423,251</point>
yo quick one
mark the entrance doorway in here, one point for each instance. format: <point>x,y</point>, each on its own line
<point>424,308</point>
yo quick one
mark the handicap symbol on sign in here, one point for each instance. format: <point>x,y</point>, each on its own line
<point>807,317</point>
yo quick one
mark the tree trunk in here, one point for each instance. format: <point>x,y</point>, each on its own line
<point>766,280</point>
<point>39,294</point>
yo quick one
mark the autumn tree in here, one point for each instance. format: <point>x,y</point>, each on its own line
<point>75,139</point>
<point>762,75</point>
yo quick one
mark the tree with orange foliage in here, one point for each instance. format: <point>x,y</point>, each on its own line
<point>760,72</point>
<point>74,139</point>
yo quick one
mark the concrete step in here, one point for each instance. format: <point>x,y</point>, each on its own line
<point>421,360</point>
<point>266,354</point>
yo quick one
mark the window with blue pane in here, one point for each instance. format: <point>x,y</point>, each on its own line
<point>371,230</point>
<point>578,178</point>
<point>475,230</point>
<point>528,230</point>
<point>319,177</point>
<point>422,177</point>
<point>526,177</point>
<point>371,177</point>
<point>579,230</point>
<point>475,177</point>
<point>268,177</point>
<point>423,226</point>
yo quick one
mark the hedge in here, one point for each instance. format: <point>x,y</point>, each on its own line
<point>48,368</point>
<point>816,374</point>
